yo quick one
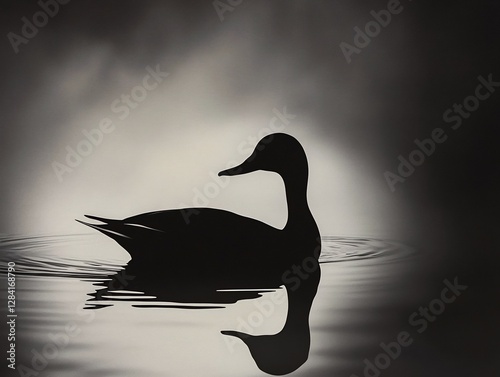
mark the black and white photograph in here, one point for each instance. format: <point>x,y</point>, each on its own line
<point>249,188</point>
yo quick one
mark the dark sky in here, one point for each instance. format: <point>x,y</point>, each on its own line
<point>225,78</point>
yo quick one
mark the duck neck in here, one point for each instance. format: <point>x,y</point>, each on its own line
<point>296,197</point>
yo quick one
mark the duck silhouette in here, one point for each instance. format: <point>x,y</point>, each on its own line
<point>201,250</point>
<point>219,246</point>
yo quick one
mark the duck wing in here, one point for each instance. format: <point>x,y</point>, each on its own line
<point>204,231</point>
<point>191,230</point>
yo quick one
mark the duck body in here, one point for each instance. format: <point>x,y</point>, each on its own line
<point>210,245</point>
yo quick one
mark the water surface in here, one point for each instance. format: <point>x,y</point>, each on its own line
<point>82,322</point>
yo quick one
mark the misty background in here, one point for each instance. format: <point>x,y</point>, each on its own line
<point>225,79</point>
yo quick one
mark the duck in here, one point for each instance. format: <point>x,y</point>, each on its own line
<point>222,248</point>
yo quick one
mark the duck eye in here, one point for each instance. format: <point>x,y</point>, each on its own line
<point>260,147</point>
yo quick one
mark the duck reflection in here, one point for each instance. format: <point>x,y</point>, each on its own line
<point>287,350</point>
<point>275,354</point>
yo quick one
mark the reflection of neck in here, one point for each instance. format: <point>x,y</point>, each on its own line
<point>296,197</point>
<point>300,299</point>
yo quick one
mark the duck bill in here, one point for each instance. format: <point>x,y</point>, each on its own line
<point>243,168</point>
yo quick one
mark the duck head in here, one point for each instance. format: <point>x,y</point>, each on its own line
<point>280,153</point>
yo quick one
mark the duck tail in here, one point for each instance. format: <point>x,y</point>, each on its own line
<point>109,228</point>
<point>101,219</point>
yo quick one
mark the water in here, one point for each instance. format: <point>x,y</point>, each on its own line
<point>73,319</point>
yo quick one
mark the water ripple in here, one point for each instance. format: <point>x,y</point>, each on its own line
<point>81,256</point>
